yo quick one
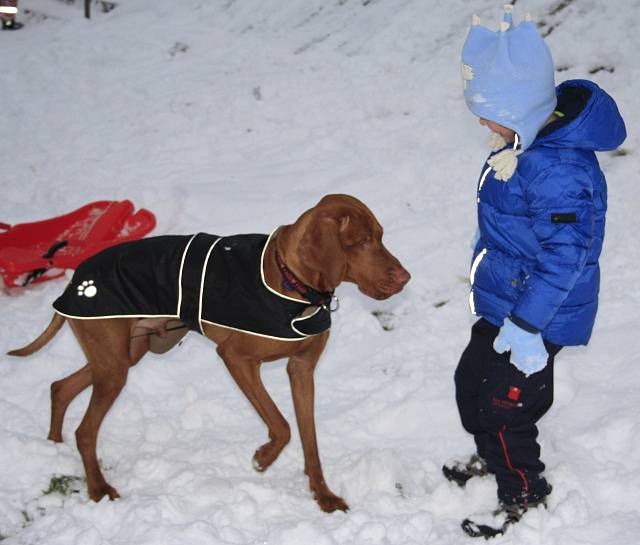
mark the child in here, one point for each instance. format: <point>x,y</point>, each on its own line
<point>534,277</point>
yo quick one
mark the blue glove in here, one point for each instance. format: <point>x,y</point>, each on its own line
<point>528,353</point>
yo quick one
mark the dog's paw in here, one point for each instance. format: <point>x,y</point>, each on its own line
<point>267,454</point>
<point>257,465</point>
<point>329,502</point>
<point>99,492</point>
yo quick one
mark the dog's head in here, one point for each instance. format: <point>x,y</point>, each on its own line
<point>341,240</point>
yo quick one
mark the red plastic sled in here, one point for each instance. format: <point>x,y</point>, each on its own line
<point>34,252</point>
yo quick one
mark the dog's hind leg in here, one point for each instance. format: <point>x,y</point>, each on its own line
<point>246,372</point>
<point>62,393</point>
<point>106,345</point>
<point>106,387</point>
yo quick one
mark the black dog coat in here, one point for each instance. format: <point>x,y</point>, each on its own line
<point>199,279</point>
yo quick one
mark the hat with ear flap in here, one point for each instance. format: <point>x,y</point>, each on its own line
<point>508,78</point>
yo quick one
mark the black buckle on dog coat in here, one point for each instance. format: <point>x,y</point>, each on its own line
<point>199,279</point>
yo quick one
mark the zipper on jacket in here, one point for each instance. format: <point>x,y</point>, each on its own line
<point>472,277</point>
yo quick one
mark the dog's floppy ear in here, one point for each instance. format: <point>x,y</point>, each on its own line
<point>321,250</point>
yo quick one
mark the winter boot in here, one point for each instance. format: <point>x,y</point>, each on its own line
<point>460,472</point>
<point>506,515</point>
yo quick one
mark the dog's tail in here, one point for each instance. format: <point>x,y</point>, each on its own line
<point>56,323</point>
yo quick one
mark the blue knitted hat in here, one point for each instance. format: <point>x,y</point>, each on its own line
<point>509,76</point>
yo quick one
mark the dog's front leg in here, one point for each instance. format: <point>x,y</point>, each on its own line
<point>300,370</point>
<point>245,369</point>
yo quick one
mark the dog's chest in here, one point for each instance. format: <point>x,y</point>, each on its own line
<point>199,279</point>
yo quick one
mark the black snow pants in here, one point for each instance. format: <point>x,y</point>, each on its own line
<point>500,406</point>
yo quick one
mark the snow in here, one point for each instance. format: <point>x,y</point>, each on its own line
<point>236,116</point>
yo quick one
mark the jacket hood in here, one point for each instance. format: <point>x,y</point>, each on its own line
<point>592,120</point>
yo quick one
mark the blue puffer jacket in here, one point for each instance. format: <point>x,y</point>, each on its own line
<point>541,232</point>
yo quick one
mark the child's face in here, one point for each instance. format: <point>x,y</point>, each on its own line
<point>507,134</point>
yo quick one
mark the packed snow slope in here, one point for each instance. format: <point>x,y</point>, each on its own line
<point>235,116</point>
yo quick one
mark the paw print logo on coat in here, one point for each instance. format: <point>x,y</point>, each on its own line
<point>87,289</point>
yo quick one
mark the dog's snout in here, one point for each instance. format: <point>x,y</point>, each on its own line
<point>395,279</point>
<point>400,275</point>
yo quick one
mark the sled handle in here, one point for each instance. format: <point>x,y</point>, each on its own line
<point>48,255</point>
<point>54,248</point>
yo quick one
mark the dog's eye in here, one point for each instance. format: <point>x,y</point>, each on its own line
<point>360,244</point>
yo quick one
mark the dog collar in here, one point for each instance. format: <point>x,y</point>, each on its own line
<point>324,299</point>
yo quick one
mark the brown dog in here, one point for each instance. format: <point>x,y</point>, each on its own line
<point>337,240</point>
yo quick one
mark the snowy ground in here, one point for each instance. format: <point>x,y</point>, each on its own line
<point>235,116</point>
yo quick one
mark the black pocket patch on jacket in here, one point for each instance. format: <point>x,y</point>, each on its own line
<point>557,217</point>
